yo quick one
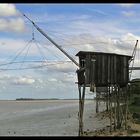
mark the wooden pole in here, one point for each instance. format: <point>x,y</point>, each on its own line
<point>83,101</point>
<point>126,107</point>
<point>97,100</point>
<point>107,101</point>
<point>118,108</point>
<point>122,112</point>
<point>81,109</point>
<point>79,113</point>
<point>110,106</point>
<point>115,90</point>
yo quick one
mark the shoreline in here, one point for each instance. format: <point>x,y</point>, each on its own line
<point>133,129</point>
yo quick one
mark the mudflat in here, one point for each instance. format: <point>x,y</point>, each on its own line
<point>47,117</point>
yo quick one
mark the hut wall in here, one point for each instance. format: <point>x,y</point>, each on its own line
<point>103,69</point>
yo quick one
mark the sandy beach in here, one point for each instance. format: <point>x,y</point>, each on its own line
<point>47,117</point>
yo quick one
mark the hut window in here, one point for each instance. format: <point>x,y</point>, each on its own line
<point>82,62</point>
<point>93,58</point>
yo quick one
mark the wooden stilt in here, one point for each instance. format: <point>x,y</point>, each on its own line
<point>97,101</point>
<point>107,108</point>
<point>115,90</point>
<point>110,108</point>
<point>126,107</point>
<point>79,113</point>
<point>81,109</point>
<point>118,108</point>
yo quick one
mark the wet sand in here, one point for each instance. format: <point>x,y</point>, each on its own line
<point>47,117</point>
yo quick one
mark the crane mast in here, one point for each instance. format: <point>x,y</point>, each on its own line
<point>133,58</point>
<point>53,42</point>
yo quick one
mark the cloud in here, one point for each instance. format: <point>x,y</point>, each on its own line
<point>5,77</point>
<point>8,10</point>
<point>128,13</point>
<point>69,78</point>
<point>126,5</point>
<point>14,24</point>
<point>99,12</point>
<point>130,36</point>
<point>13,46</point>
<point>11,79</point>
<point>98,28</point>
<point>9,20</point>
<point>52,80</point>
<point>64,78</point>
<point>88,42</point>
<point>23,81</point>
<point>65,67</point>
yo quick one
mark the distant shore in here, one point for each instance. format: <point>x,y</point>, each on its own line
<point>24,99</point>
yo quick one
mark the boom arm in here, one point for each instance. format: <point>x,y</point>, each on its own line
<point>58,46</point>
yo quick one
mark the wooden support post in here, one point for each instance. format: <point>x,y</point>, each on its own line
<point>107,101</point>
<point>115,92</point>
<point>79,113</point>
<point>126,107</point>
<point>118,108</point>
<point>97,100</point>
<point>122,118</point>
<point>83,99</point>
<point>110,107</point>
<point>121,98</point>
<point>81,109</point>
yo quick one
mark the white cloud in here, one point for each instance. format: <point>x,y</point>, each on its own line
<point>130,36</point>
<point>10,79</point>
<point>12,46</point>
<point>14,24</point>
<point>98,28</point>
<point>23,81</point>
<point>69,78</point>
<point>7,21</point>
<point>99,11</point>
<point>88,42</point>
<point>5,77</point>
<point>65,67</point>
<point>52,80</point>
<point>8,10</point>
<point>126,5</point>
<point>128,13</point>
<point>40,81</point>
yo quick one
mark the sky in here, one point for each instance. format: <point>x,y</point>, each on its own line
<point>112,28</point>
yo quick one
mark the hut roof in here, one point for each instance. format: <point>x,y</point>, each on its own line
<point>84,53</point>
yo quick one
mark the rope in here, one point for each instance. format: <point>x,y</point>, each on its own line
<point>35,67</point>
<point>25,56</point>
<point>42,54</point>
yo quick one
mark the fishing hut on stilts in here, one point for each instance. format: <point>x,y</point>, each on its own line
<point>108,71</point>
